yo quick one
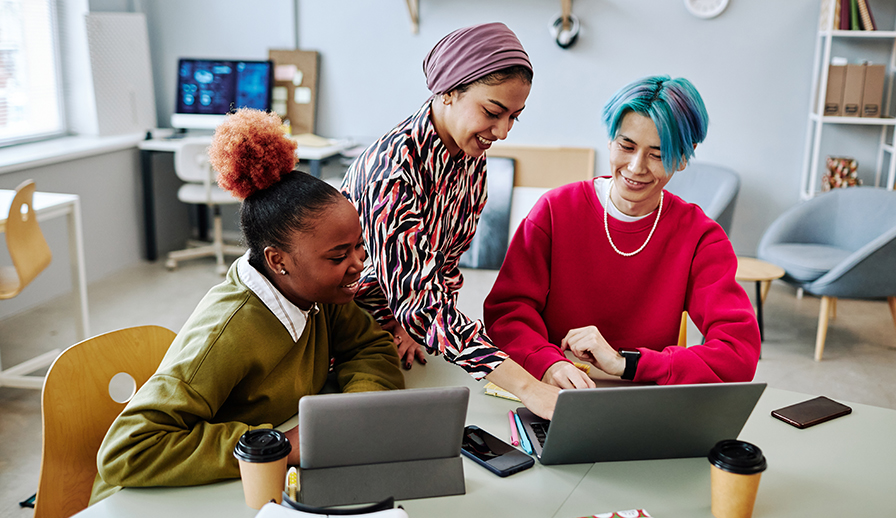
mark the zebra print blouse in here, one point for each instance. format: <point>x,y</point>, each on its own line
<point>419,208</point>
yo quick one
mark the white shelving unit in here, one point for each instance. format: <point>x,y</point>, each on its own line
<point>816,121</point>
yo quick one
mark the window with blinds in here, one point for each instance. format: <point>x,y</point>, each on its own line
<point>30,85</point>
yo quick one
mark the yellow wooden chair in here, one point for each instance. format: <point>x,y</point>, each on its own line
<point>30,255</point>
<point>77,410</point>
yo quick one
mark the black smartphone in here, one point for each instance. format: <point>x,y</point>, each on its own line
<point>496,455</point>
<point>811,412</point>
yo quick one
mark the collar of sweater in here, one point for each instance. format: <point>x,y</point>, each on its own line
<point>291,316</point>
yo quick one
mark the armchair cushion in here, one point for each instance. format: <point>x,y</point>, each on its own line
<point>805,262</point>
<point>841,243</point>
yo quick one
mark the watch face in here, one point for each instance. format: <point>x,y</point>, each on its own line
<point>706,8</point>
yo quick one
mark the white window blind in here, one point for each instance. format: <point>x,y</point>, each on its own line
<point>30,95</point>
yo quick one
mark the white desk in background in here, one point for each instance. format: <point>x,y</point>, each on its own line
<point>845,467</point>
<point>53,205</point>
<point>315,155</point>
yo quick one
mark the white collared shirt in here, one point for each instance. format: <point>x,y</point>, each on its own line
<point>291,316</point>
<point>601,186</point>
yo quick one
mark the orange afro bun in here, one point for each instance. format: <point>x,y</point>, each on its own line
<point>250,152</point>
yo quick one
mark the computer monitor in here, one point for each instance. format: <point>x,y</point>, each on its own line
<point>207,89</point>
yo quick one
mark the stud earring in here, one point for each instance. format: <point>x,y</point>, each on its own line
<point>282,271</point>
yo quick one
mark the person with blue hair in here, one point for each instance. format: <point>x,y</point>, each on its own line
<point>604,268</point>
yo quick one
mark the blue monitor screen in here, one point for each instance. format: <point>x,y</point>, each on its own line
<point>214,87</point>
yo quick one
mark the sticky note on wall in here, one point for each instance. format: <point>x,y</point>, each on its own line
<point>284,72</point>
<point>302,95</point>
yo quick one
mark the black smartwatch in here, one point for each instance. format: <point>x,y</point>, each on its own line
<point>631,362</point>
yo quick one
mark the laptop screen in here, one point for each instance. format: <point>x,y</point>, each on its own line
<point>207,89</point>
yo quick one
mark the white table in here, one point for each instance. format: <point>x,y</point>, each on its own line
<point>844,467</point>
<point>315,155</point>
<point>47,206</point>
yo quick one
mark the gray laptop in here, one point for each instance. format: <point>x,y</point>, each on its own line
<point>640,422</point>
<point>367,446</point>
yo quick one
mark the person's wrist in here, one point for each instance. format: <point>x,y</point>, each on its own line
<point>552,368</point>
<point>630,359</point>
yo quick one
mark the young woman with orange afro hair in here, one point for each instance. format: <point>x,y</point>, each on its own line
<point>264,337</point>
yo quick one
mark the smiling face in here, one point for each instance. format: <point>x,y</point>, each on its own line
<point>638,173</point>
<point>324,264</point>
<point>472,120</point>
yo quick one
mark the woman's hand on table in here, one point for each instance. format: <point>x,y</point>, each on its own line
<point>540,398</point>
<point>587,344</point>
<point>565,375</point>
<point>408,348</point>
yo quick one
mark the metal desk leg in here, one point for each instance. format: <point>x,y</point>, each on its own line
<point>315,168</point>
<point>79,275</point>
<point>759,309</point>
<point>149,208</point>
<point>202,221</point>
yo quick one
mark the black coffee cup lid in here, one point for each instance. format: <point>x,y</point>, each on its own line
<point>738,457</point>
<point>262,445</point>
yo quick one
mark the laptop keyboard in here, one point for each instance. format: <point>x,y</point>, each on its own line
<point>541,431</point>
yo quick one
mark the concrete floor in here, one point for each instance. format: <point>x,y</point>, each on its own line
<point>859,360</point>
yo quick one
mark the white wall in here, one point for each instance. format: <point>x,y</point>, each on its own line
<point>109,183</point>
<point>227,29</point>
<point>752,65</point>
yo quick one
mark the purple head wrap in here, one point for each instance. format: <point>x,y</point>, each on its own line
<point>470,53</point>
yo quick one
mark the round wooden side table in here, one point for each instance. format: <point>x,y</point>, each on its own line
<point>750,269</point>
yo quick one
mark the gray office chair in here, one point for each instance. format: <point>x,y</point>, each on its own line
<point>840,243</point>
<point>192,166</point>
<point>712,187</point>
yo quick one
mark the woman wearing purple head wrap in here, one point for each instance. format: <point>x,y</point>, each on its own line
<point>420,190</point>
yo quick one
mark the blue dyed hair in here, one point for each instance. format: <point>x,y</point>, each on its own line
<point>674,106</point>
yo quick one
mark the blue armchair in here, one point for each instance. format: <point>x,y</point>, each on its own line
<point>839,244</point>
<point>712,187</point>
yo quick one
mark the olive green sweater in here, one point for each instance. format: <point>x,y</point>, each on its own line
<point>234,367</point>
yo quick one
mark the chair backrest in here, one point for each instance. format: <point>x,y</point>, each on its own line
<point>27,247</point>
<point>844,218</point>
<point>855,216</point>
<point>191,161</point>
<point>712,187</point>
<point>77,410</point>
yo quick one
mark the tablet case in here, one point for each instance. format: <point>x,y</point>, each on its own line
<point>365,447</point>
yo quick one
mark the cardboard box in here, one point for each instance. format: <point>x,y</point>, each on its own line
<point>544,166</point>
<point>833,100</point>
<point>295,87</point>
<point>853,88</point>
<point>873,92</point>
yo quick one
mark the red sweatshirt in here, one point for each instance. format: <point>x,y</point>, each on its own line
<point>561,273</point>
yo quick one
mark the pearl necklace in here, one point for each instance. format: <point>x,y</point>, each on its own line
<point>607,226</point>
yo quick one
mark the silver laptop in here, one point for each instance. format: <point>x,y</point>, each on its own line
<point>375,427</point>
<point>640,422</point>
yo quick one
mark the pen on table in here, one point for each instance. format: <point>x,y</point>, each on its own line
<point>292,482</point>
<point>514,437</point>
<point>524,439</point>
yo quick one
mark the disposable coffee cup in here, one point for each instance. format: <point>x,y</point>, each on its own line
<point>736,467</point>
<point>262,455</point>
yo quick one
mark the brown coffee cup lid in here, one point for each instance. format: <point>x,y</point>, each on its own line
<point>262,445</point>
<point>738,457</point>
